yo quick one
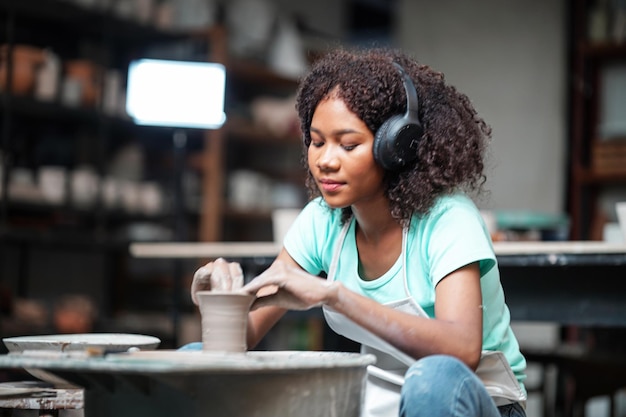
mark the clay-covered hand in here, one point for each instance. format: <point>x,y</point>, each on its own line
<point>289,287</point>
<point>219,275</point>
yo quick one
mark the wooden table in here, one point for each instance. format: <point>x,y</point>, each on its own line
<point>581,283</point>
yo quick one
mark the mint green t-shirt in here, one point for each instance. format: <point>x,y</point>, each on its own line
<point>449,237</point>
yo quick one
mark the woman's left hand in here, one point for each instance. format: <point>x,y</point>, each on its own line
<point>289,287</point>
<point>219,275</point>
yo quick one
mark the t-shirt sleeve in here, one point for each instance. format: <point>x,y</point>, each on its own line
<point>458,238</point>
<point>303,241</point>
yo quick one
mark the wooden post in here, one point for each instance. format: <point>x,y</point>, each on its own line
<point>213,156</point>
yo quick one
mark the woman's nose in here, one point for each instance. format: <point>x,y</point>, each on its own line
<point>328,158</point>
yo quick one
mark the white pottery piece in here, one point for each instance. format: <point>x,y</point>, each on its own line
<point>84,186</point>
<point>108,342</point>
<point>52,182</point>
<point>99,342</point>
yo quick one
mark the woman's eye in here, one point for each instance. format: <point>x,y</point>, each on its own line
<point>348,147</point>
<point>317,143</point>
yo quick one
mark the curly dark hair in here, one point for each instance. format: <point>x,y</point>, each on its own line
<point>450,154</point>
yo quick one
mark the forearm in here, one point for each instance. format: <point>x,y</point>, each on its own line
<point>260,322</point>
<point>414,335</point>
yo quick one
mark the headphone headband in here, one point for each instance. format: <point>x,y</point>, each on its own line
<point>412,103</point>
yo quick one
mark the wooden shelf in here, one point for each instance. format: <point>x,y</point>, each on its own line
<point>65,16</point>
<point>245,131</point>
<point>247,214</point>
<point>605,50</point>
<point>77,241</point>
<point>594,169</point>
<point>588,176</point>
<point>254,72</point>
<point>59,113</point>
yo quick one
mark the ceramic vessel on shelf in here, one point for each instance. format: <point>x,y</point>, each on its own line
<point>26,61</point>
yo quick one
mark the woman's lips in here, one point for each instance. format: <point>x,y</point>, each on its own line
<point>329,186</point>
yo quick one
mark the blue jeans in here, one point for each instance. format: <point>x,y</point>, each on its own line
<point>439,385</point>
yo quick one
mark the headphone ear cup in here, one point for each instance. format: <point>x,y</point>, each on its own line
<point>383,144</point>
<point>396,141</point>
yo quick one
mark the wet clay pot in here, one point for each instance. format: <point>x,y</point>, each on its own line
<point>224,320</point>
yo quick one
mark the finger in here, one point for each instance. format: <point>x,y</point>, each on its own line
<point>203,273</point>
<point>279,299</point>
<point>220,278</point>
<point>263,292</point>
<point>265,301</point>
<point>236,276</point>
<point>257,283</point>
<point>201,281</point>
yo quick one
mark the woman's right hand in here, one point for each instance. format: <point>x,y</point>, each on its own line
<point>218,275</point>
<point>289,287</point>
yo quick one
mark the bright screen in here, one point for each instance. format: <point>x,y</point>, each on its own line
<point>176,93</point>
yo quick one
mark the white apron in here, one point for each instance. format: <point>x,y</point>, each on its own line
<point>384,380</point>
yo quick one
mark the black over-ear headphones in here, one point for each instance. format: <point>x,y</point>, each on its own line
<point>396,141</point>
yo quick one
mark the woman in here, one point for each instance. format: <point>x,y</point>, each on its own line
<point>392,151</point>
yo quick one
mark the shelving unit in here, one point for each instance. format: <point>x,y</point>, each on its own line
<point>243,143</point>
<point>52,248</point>
<point>595,162</point>
<point>253,147</point>
<point>95,237</point>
